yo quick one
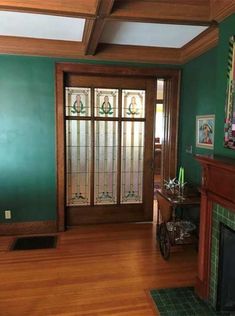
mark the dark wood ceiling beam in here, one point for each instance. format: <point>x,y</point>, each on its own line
<point>94,29</point>
<point>124,53</point>
<point>81,8</point>
<point>69,49</point>
<point>93,32</point>
<point>129,53</point>
<point>88,29</point>
<point>40,47</point>
<point>220,9</point>
<point>167,11</point>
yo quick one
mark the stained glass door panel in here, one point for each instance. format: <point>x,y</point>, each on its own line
<point>78,153</point>
<point>133,103</point>
<point>78,102</point>
<point>106,102</point>
<point>106,150</point>
<point>106,146</point>
<point>132,162</point>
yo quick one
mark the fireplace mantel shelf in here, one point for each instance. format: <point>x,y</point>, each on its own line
<point>218,186</point>
<point>217,161</point>
<point>218,179</point>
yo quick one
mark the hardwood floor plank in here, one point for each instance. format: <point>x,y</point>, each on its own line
<point>95,270</point>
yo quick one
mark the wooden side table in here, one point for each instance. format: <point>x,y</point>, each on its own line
<point>170,230</point>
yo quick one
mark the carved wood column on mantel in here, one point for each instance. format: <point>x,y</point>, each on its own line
<point>218,186</point>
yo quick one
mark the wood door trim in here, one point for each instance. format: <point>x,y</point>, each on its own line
<point>62,69</point>
<point>92,163</point>
<point>171,121</point>
<point>60,150</point>
<point>119,154</point>
<point>149,151</point>
<point>114,70</point>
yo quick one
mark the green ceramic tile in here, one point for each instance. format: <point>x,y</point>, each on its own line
<point>227,217</point>
<point>181,302</point>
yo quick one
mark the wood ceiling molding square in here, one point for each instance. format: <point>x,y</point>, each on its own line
<point>41,26</point>
<point>150,31</point>
<point>149,34</point>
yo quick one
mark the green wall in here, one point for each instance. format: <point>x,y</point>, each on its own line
<point>27,136</point>
<point>197,98</point>
<point>203,92</point>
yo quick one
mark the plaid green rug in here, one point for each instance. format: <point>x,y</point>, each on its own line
<point>181,302</point>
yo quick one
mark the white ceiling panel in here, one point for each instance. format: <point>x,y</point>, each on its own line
<point>41,26</point>
<point>149,34</point>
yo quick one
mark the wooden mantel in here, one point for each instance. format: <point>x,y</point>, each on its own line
<point>218,186</point>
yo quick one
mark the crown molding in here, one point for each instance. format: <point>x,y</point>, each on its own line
<point>200,44</point>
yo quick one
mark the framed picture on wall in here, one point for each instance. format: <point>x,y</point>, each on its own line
<point>205,130</point>
<point>229,122</point>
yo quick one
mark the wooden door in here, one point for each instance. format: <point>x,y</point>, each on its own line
<point>116,77</point>
<point>109,148</point>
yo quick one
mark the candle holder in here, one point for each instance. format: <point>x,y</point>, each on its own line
<point>181,187</point>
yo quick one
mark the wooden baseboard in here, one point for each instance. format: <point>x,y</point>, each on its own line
<point>27,228</point>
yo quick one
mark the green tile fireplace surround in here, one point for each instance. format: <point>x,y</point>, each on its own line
<point>227,217</point>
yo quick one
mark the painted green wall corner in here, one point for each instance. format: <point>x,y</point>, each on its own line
<point>197,98</point>
<point>204,92</point>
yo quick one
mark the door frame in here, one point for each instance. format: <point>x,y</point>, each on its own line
<point>170,145</point>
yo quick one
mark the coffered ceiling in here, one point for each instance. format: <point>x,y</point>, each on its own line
<point>151,31</point>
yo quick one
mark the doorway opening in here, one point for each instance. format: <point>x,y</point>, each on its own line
<point>159,132</point>
<point>158,140</point>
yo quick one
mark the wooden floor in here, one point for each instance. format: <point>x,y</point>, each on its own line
<point>95,270</point>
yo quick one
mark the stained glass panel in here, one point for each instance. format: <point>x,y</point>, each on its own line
<point>106,102</point>
<point>78,101</point>
<point>78,155</point>
<point>132,162</point>
<point>106,138</point>
<point>133,103</point>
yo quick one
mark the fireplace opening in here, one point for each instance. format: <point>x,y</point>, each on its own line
<point>226,272</point>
